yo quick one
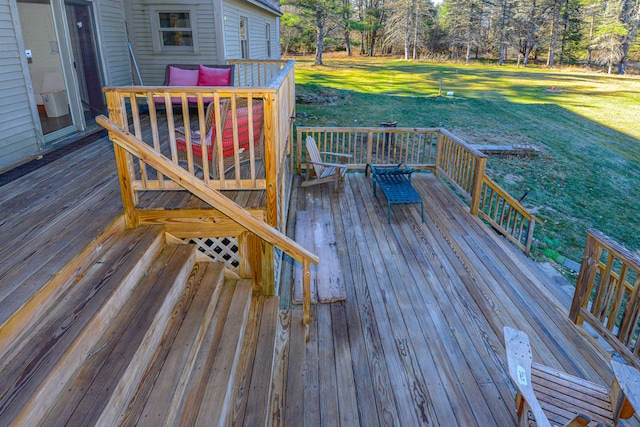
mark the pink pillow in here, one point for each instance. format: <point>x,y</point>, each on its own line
<point>214,76</point>
<point>181,77</point>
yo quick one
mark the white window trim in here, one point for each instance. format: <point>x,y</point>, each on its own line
<point>268,39</point>
<point>158,47</point>
<point>246,20</point>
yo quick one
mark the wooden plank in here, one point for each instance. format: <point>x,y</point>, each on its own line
<point>247,357</point>
<point>195,222</point>
<point>329,279</point>
<point>164,383</point>
<point>257,413</point>
<point>294,409</point>
<point>329,412</point>
<point>187,411</point>
<point>280,366</point>
<point>305,236</point>
<point>311,393</point>
<point>217,400</point>
<point>373,390</point>
<point>345,377</point>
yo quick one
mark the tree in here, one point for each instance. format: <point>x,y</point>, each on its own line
<point>318,12</point>
<point>607,44</point>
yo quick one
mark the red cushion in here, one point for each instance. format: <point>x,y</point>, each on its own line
<point>227,133</point>
<point>214,76</point>
<point>181,77</point>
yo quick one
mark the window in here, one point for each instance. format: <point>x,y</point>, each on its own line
<point>244,38</point>
<point>268,39</point>
<point>173,30</point>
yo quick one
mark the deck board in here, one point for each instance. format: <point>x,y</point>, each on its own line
<point>419,336</point>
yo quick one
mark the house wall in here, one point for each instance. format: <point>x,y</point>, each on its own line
<point>257,19</point>
<point>112,38</point>
<point>18,137</point>
<point>152,63</point>
<point>20,134</point>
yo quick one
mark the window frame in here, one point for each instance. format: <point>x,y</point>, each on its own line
<point>244,42</point>
<point>268,39</point>
<point>157,30</point>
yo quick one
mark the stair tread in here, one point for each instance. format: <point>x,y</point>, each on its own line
<point>217,398</point>
<point>91,388</point>
<point>30,361</point>
<point>190,404</point>
<point>166,382</point>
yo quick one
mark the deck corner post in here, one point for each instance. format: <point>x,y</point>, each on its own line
<point>270,147</point>
<point>124,160</point>
<point>586,276</point>
<point>476,189</point>
<point>527,245</point>
<point>436,170</point>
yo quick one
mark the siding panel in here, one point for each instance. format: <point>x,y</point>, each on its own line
<point>17,129</point>
<point>258,18</point>
<point>113,43</point>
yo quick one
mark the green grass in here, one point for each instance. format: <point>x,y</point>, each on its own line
<point>589,131</point>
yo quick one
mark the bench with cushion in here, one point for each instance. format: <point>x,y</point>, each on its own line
<point>189,75</point>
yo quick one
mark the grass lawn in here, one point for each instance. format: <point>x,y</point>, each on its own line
<point>588,129</point>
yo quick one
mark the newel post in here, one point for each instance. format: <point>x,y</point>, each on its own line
<point>124,160</point>
<point>587,274</point>
<point>476,189</point>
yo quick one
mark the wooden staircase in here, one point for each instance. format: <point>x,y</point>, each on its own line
<point>139,333</point>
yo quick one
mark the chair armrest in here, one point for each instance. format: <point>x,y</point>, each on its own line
<point>346,156</point>
<point>335,165</point>
<point>625,392</point>
<point>519,359</point>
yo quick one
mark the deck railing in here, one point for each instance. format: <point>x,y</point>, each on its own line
<point>256,73</point>
<point>254,132</point>
<point>452,159</point>
<point>415,147</point>
<point>505,213</point>
<point>607,294</point>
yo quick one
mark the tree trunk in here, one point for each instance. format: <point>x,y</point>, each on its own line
<point>622,65</point>
<point>415,30</point>
<point>319,37</point>
<point>407,33</point>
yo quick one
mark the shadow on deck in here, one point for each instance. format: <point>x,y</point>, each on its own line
<point>418,340</point>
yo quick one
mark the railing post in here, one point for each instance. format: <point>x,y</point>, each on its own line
<point>476,189</point>
<point>587,274</point>
<point>124,161</point>
<point>439,148</point>
<point>299,152</point>
<point>369,146</point>
<point>270,145</point>
<point>527,245</point>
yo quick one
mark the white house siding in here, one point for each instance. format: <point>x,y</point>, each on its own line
<point>113,42</point>
<point>17,128</point>
<point>257,20</point>
<point>152,64</point>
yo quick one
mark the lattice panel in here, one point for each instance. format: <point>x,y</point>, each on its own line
<point>221,249</point>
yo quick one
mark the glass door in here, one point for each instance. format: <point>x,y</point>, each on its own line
<point>86,62</point>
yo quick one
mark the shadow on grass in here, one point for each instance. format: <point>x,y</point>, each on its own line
<point>588,175</point>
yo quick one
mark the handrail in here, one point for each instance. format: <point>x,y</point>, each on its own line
<point>206,193</point>
<point>216,199</point>
<point>506,214</point>
<point>614,310</point>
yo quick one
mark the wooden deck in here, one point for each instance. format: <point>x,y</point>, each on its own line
<point>419,339</point>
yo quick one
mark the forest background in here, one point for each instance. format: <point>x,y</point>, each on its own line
<point>600,34</point>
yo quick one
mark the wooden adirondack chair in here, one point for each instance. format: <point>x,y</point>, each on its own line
<point>324,171</point>
<point>553,398</point>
